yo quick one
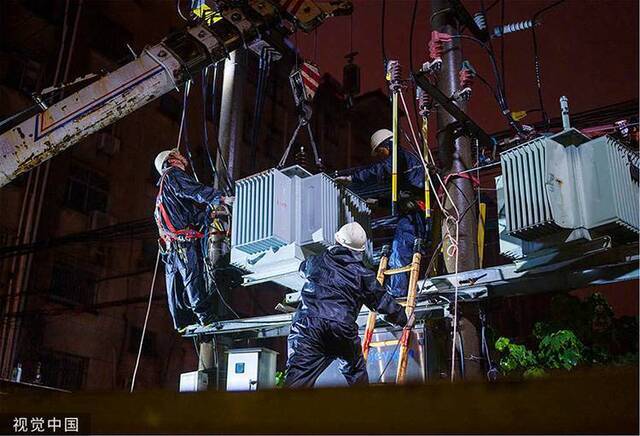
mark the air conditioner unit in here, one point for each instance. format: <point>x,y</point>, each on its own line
<point>564,187</point>
<point>98,220</point>
<point>283,216</point>
<point>108,144</point>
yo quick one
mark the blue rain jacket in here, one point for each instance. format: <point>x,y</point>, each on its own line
<point>410,171</point>
<point>185,200</point>
<point>339,284</point>
<point>185,203</point>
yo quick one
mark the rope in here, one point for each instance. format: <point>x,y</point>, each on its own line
<point>146,321</point>
<point>452,249</point>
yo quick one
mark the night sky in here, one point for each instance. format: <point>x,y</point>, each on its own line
<point>588,51</point>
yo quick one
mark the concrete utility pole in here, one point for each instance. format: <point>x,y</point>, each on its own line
<point>229,142</point>
<point>455,156</point>
<point>231,112</point>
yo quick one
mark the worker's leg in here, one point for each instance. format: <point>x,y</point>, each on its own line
<point>347,346</point>
<point>192,272</point>
<point>398,284</point>
<point>407,230</point>
<point>181,316</point>
<point>307,358</point>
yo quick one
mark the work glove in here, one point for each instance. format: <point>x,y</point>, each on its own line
<point>343,180</point>
<point>228,200</point>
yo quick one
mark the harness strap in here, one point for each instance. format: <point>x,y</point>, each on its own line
<point>168,232</point>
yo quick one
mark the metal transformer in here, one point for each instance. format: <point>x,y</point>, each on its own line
<point>566,187</point>
<point>283,216</point>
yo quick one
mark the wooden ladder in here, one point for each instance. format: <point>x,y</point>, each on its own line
<point>414,273</point>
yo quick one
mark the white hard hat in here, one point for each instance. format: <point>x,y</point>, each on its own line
<point>352,236</point>
<point>379,137</point>
<point>161,157</point>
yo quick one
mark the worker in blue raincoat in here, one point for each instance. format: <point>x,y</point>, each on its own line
<point>324,327</point>
<point>180,212</point>
<point>411,223</point>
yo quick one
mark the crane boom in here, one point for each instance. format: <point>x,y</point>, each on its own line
<point>158,70</point>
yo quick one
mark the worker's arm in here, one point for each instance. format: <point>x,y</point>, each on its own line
<point>378,299</point>
<point>373,173</point>
<point>187,188</point>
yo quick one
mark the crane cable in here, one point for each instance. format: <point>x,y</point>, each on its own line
<point>183,131</point>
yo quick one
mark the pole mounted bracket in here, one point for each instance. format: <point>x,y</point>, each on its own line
<point>463,120</point>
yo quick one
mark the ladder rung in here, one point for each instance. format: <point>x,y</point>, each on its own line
<point>391,272</point>
<point>383,343</point>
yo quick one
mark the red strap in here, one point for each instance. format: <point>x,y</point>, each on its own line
<point>448,177</point>
<point>171,233</point>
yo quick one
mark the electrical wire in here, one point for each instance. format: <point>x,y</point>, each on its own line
<point>146,322</point>
<point>351,32</point>
<point>502,11</point>
<point>180,11</point>
<point>205,134</point>
<point>536,61</point>
<point>411,30</point>
<point>382,20</point>
<point>450,221</point>
<point>411,66</point>
<point>502,101</point>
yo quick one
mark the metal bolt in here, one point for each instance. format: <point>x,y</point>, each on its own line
<point>162,53</point>
<point>201,34</point>
<point>236,16</point>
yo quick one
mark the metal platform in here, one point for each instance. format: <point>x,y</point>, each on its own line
<point>587,264</point>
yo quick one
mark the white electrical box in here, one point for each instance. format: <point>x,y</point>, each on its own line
<point>249,369</point>
<point>194,381</point>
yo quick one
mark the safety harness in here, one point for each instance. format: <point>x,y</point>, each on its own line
<point>168,233</point>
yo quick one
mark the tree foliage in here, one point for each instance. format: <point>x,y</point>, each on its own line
<point>575,332</point>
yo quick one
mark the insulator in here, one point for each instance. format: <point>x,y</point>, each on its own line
<point>623,127</point>
<point>436,45</point>
<point>393,74</point>
<point>301,158</point>
<point>499,31</point>
<point>351,76</point>
<point>466,77</point>
<point>425,103</point>
<point>480,20</point>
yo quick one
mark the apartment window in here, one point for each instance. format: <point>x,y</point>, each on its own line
<point>63,370</point>
<point>86,190</point>
<point>149,346</point>
<point>71,284</point>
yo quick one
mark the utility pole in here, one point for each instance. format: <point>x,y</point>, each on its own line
<point>229,142</point>
<point>231,113</point>
<point>455,156</point>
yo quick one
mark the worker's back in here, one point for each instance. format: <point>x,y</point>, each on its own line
<point>184,199</point>
<point>338,285</point>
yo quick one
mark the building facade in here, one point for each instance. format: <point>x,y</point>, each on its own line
<point>73,311</point>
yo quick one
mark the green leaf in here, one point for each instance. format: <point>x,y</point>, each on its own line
<point>561,349</point>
